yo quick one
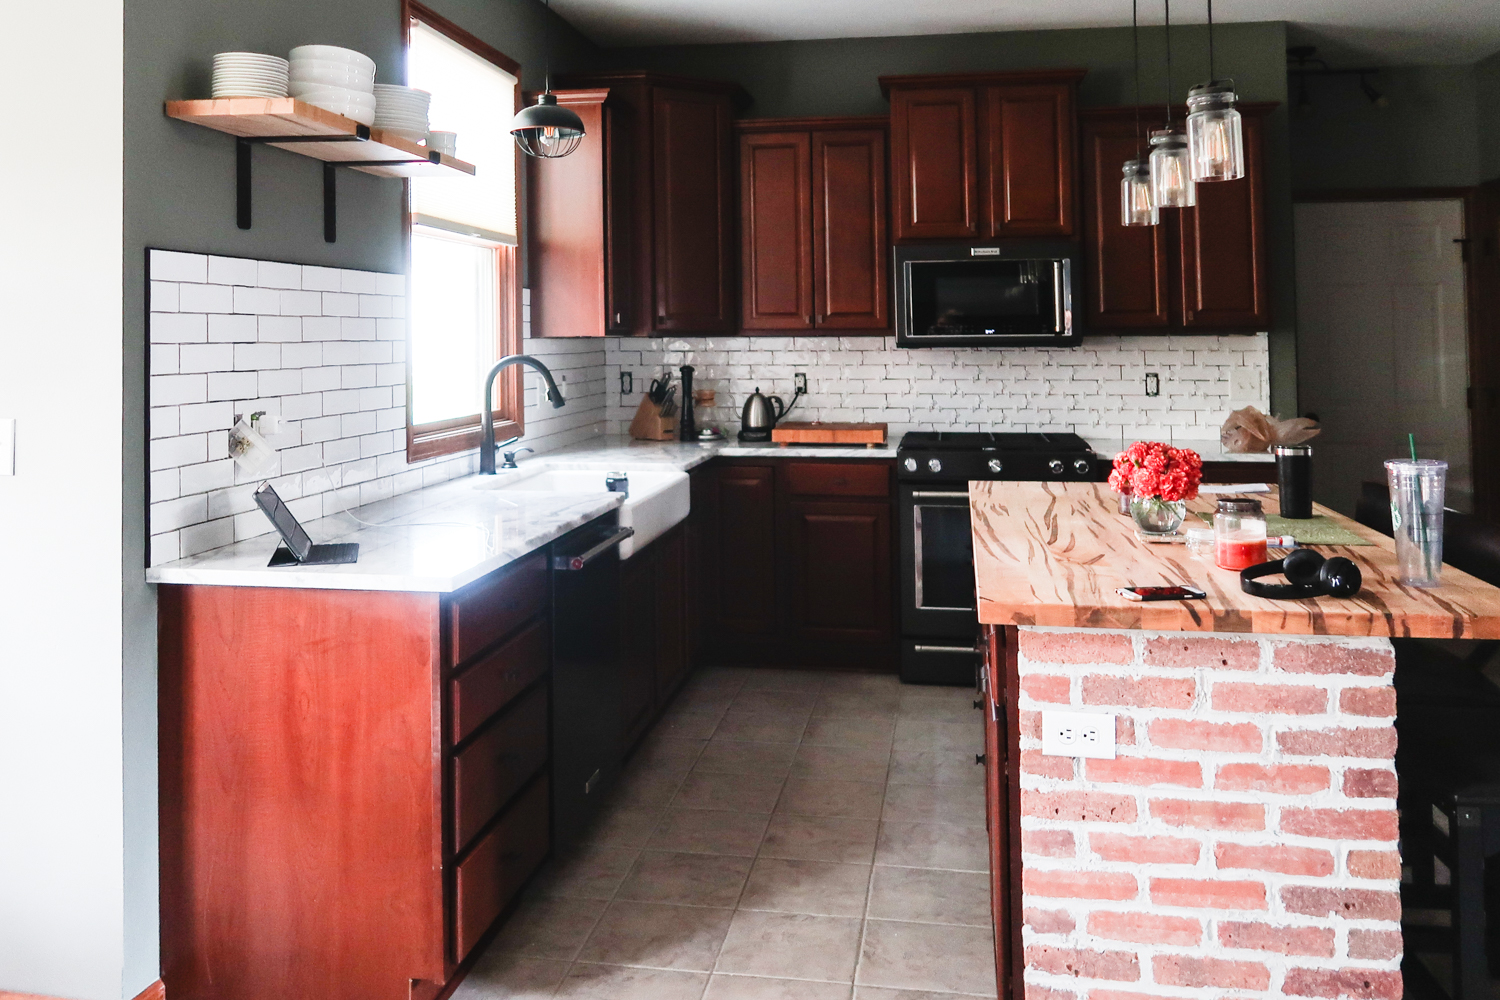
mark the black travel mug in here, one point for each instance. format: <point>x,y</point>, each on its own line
<point>1294,474</point>
<point>686,426</point>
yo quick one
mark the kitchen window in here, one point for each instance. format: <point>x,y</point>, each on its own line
<point>465,292</point>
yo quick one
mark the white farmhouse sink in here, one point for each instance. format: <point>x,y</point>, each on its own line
<point>658,498</point>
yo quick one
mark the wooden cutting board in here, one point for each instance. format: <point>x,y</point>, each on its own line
<point>818,432</point>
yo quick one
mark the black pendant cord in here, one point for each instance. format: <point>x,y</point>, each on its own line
<point>547,44</point>
<point>1135,41</point>
<point>1168,8</point>
<point>1211,76</point>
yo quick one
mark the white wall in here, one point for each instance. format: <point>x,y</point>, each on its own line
<point>62,838</point>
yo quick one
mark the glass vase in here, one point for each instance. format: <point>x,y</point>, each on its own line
<point>1155,516</point>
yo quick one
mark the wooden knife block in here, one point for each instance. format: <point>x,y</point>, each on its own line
<point>650,425</point>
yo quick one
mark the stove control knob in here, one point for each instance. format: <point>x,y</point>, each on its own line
<point>995,465</point>
<point>1081,466</point>
<point>1056,466</point>
<point>934,465</point>
<point>911,465</point>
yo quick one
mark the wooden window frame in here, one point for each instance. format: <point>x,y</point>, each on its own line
<point>448,437</point>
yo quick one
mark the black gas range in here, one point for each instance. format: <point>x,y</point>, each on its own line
<point>939,620</point>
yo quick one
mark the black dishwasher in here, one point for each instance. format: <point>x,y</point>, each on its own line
<point>586,686</point>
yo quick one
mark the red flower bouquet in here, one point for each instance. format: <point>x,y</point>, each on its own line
<point>1158,479</point>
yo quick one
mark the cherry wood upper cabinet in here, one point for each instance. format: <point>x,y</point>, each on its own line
<point>1202,268</point>
<point>776,241</point>
<point>633,232</point>
<point>1005,136</point>
<point>1126,267</point>
<point>1225,284</point>
<point>813,224</point>
<point>1029,156</point>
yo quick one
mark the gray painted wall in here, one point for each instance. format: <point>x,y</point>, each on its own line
<point>179,194</point>
<point>838,77</point>
<point>1487,107</point>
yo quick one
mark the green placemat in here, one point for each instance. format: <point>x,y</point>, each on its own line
<point>1317,530</point>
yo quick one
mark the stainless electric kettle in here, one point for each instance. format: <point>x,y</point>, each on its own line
<point>759,416</point>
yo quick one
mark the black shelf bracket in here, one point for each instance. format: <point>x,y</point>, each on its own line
<point>330,187</point>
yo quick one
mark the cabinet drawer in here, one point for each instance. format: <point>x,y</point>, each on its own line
<point>487,609</point>
<point>845,479</point>
<point>491,768</point>
<point>486,687</point>
<point>492,874</point>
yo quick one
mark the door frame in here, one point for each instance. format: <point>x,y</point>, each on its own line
<point>1483,343</point>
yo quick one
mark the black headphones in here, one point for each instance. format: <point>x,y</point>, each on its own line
<point>1308,575</point>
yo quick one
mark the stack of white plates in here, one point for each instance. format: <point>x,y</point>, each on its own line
<point>402,110</point>
<point>334,79</point>
<point>249,74</point>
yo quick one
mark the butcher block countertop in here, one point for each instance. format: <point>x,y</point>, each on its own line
<point>1055,553</point>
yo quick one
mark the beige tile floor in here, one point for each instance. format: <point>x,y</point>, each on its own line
<point>780,835</point>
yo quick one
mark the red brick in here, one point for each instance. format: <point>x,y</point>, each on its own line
<point>1079,807</point>
<point>1375,944</point>
<point>1278,699</point>
<point>1354,984</point>
<point>1375,864</point>
<point>1370,783</point>
<point>1189,652</point>
<point>1145,771</point>
<point>1145,928</point>
<point>1340,824</point>
<point>1182,734</point>
<point>1285,860</point>
<point>1208,894</point>
<point>1144,850</point>
<point>1079,885</point>
<point>1185,970</point>
<point>1050,688</point>
<point>1048,843</point>
<point>1141,692</point>
<point>1119,966</point>
<point>1036,762</point>
<point>1210,815</point>
<point>1351,904</point>
<point>1282,779</point>
<point>1048,921</point>
<point>1035,992</point>
<point>1076,647</point>
<point>1378,743</point>
<point>1375,701</point>
<point>1121,995</point>
<point>1314,941</point>
<point>1327,658</point>
<point>1124,731</point>
<point>1030,725</point>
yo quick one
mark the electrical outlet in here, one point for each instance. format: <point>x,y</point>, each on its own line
<point>1153,384</point>
<point>7,447</point>
<point>799,382</point>
<point>1244,386</point>
<point>1078,734</point>
<point>627,383</point>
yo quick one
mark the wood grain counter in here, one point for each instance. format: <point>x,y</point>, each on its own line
<point>1055,553</point>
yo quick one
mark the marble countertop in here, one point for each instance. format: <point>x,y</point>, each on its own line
<point>1208,450</point>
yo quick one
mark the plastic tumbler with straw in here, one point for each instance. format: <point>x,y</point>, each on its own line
<point>1417,487</point>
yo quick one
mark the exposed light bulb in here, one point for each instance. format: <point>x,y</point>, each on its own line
<point>1137,202</point>
<point>1171,178</point>
<point>1215,133</point>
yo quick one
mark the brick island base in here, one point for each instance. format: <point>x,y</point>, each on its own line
<point>1243,841</point>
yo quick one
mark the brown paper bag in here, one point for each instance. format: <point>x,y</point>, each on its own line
<point>1249,431</point>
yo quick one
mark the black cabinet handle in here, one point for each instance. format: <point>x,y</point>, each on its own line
<point>979,758</point>
<point>978,703</point>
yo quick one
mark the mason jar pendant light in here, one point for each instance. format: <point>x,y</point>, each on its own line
<point>1137,202</point>
<point>547,129</point>
<point>1171,176</point>
<point>1216,141</point>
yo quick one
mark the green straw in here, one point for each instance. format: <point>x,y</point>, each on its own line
<point>1411,439</point>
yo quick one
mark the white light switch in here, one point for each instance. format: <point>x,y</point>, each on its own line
<point>7,447</point>
<point>1078,734</point>
<point>1244,386</point>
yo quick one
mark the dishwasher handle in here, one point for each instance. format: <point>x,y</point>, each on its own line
<point>579,560</point>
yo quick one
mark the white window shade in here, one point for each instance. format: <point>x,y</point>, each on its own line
<point>475,98</point>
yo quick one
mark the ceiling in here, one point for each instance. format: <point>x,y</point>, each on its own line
<point>1384,32</point>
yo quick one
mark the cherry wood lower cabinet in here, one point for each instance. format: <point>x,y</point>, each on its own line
<point>797,562</point>
<point>1002,797</point>
<point>653,617</point>
<point>353,784</point>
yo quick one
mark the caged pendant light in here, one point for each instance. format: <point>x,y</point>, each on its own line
<point>546,129</point>
<point>1137,202</point>
<point>1171,176</point>
<point>1216,140</point>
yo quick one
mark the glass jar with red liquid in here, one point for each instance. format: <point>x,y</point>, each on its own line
<point>1239,534</point>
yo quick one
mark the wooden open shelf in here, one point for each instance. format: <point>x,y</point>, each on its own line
<point>263,117</point>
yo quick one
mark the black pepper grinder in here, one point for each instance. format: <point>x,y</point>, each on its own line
<point>1294,477</point>
<point>686,431</point>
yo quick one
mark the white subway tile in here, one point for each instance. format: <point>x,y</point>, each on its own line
<point>357,376</point>
<point>202,537</point>
<point>279,329</point>
<point>164,359</point>
<point>170,265</point>
<point>232,385</point>
<point>231,271</point>
<point>251,524</point>
<point>374,353</point>
<point>310,404</point>
<point>341,401</point>
<point>356,328</point>
<point>340,353</point>
<point>178,328</point>
<point>359,281</point>
<point>307,509</point>
<point>274,274</point>
<point>254,357</point>
<point>164,421</point>
<point>392,465</point>
<point>232,329</point>
<point>170,390</point>
<point>329,477</point>
<point>382,443</point>
<point>165,485</point>
<point>340,304</point>
<point>169,453</point>
<point>208,476</point>
<point>299,303</point>
<point>321,328</point>
<point>361,471</point>
<point>319,379</point>
<point>398,308</point>
<point>376,490</point>
<point>280,382</point>
<point>375,306</point>
<point>318,429</point>
<point>164,548</point>
<point>356,424</point>
<point>302,355</point>
<point>200,417</point>
<point>392,419</point>
<point>341,450</point>
<point>257,301</point>
<point>162,296</point>
<point>393,374</point>
<point>321,279</point>
<point>380,397</point>
<point>301,459</point>
<point>205,357</point>
<point>390,329</point>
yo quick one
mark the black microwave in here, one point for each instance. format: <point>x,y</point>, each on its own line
<point>1016,294</point>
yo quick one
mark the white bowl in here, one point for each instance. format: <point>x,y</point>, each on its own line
<point>249,58</point>
<point>299,89</point>
<point>332,53</point>
<point>443,142</point>
<point>353,77</point>
<point>420,126</point>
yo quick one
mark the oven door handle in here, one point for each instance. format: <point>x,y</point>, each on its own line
<point>1057,296</point>
<point>940,494</point>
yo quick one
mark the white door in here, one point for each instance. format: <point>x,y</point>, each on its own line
<point>1382,341</point>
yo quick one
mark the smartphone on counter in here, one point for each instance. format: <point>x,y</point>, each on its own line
<point>1172,593</point>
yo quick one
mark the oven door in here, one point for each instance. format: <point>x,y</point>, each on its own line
<point>937,562</point>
